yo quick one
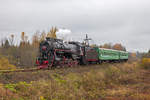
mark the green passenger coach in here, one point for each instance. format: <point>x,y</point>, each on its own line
<point>111,55</point>
<point>124,55</point>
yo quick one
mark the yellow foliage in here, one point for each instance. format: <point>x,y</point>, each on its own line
<point>93,45</point>
<point>107,46</point>
<point>118,47</point>
<point>42,36</point>
<point>145,63</point>
<point>1,85</point>
<point>52,33</point>
<point>23,36</point>
<point>42,98</point>
<point>5,65</point>
<point>35,40</point>
<point>133,55</point>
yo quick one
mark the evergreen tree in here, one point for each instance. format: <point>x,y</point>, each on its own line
<point>6,44</point>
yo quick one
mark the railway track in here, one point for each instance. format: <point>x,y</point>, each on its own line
<point>26,70</point>
<point>20,70</point>
<point>33,69</point>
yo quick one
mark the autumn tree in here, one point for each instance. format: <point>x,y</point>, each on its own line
<point>118,46</point>
<point>24,39</point>
<point>24,51</point>
<point>52,32</point>
<point>23,36</point>
<point>106,45</point>
<point>42,36</point>
<point>35,39</point>
<point>133,54</point>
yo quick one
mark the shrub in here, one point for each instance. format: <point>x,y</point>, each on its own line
<point>112,73</point>
<point>145,63</point>
<point>11,87</point>
<point>4,64</point>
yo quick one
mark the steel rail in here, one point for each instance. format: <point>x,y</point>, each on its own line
<point>20,70</point>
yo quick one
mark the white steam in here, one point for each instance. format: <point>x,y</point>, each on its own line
<point>64,34</point>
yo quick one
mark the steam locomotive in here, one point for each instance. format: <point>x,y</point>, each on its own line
<point>56,52</point>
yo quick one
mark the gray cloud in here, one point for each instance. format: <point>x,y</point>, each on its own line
<point>123,21</point>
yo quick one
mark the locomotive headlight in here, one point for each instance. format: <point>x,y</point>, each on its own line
<point>44,48</point>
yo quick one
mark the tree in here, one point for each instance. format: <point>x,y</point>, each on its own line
<point>118,46</point>
<point>133,55</point>
<point>11,40</point>
<point>52,33</point>
<point>149,51</point>
<point>35,39</point>
<point>106,45</point>
<point>24,39</point>
<point>6,44</point>
<point>147,55</point>
<point>2,42</point>
<point>42,36</point>
<point>23,36</point>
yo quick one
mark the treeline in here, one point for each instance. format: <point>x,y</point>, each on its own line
<point>116,46</point>
<point>24,54</point>
<point>146,55</point>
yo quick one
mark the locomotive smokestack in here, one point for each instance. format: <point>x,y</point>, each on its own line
<point>86,36</point>
<point>87,40</point>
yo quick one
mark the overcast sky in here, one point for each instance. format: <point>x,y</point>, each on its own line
<point>106,21</point>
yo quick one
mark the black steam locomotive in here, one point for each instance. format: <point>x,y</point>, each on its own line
<point>56,52</point>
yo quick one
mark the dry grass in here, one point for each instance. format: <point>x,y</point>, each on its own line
<point>101,82</point>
